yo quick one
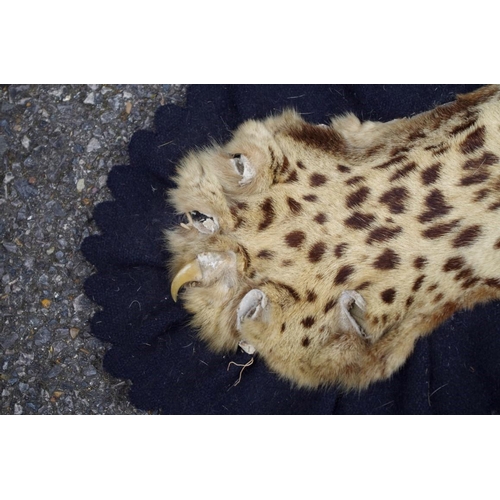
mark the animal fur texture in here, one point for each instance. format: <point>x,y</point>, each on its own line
<point>330,249</point>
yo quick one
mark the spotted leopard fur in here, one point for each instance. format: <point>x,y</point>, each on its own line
<point>331,249</point>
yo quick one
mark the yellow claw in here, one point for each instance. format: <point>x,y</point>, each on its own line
<point>190,272</point>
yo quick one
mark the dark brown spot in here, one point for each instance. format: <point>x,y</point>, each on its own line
<point>374,150</point>
<point>418,283</point>
<point>343,274</point>
<point>241,205</point>
<point>497,245</point>
<point>343,169</point>
<point>341,248</point>
<point>393,161</point>
<point>294,205</point>
<point>268,212</point>
<point>363,285</point>
<point>359,220</point>
<point>474,141</point>
<point>329,305</point>
<point>494,206</point>
<point>436,207</point>
<point>320,218</point>
<point>317,179</point>
<point>383,233</point>
<point>287,263</point>
<point>293,177</point>
<point>305,340</point>
<point>464,126</point>
<point>410,300</point>
<point>395,199</point>
<point>467,237</point>
<point>432,287</point>
<point>283,327</point>
<point>354,180</point>
<point>464,274</point>
<point>440,150</point>
<point>387,260</point>
<point>285,165</point>
<point>453,264</point>
<point>481,194</point>
<point>295,239</point>
<point>316,252</point>
<point>420,262</point>
<point>470,282</point>
<point>265,254</point>
<point>438,298</point>
<point>245,255</point>
<point>273,158</point>
<point>294,294</point>
<point>279,169</point>
<point>440,230</point>
<point>486,160</point>
<point>323,138</point>
<point>358,197</point>
<point>239,222</point>
<point>310,197</point>
<point>431,174</point>
<point>437,149</point>
<point>311,296</point>
<point>308,321</point>
<point>403,171</point>
<point>493,282</point>
<point>418,134</point>
<point>476,178</point>
<point>398,150</point>
<point>388,297</point>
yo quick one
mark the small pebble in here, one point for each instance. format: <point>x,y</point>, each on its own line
<point>42,336</point>
<point>25,189</point>
<point>54,371</point>
<point>10,247</point>
<point>93,145</point>
<point>89,371</point>
<point>8,341</point>
<point>73,332</point>
<point>90,99</point>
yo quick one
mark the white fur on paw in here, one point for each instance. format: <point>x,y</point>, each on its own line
<point>253,306</point>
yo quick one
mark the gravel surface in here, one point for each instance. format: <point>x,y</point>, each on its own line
<point>57,145</point>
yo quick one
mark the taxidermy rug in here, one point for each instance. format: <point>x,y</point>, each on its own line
<point>455,370</point>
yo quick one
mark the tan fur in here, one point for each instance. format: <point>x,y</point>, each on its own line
<point>406,214</point>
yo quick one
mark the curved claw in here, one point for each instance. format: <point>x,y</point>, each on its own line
<point>190,272</point>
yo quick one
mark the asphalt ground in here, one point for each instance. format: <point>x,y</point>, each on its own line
<point>57,146</point>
